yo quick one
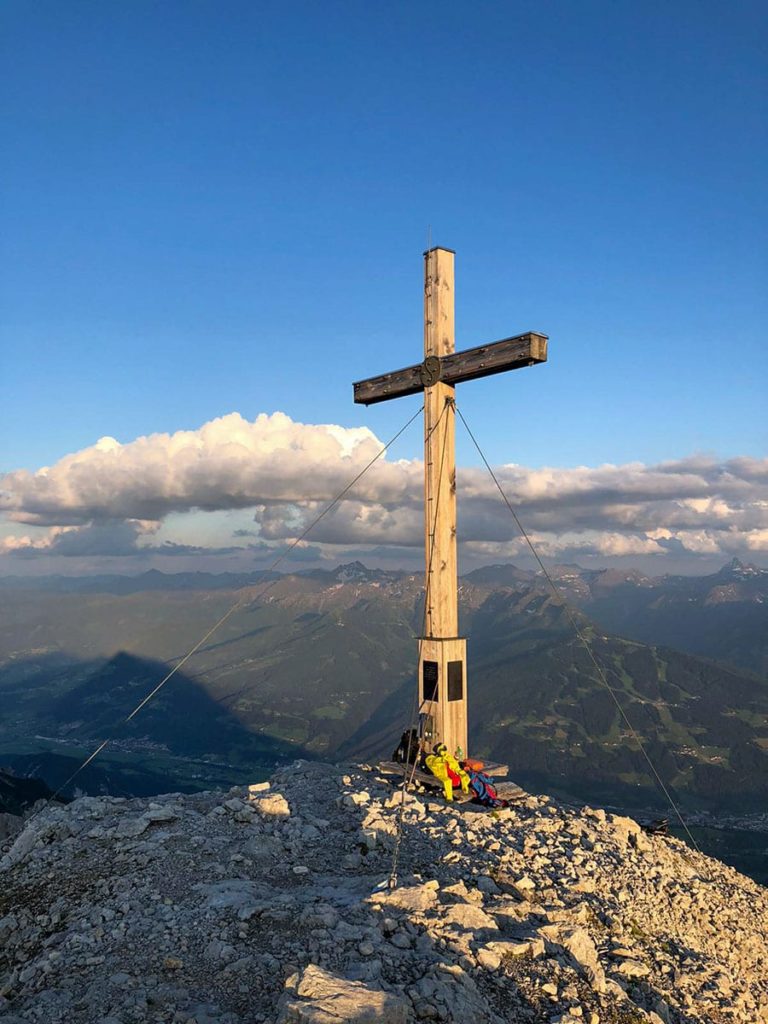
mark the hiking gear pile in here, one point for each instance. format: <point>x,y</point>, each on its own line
<point>445,767</point>
<point>483,787</point>
<point>466,775</point>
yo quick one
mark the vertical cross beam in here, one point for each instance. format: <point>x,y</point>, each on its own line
<point>442,661</point>
<point>440,450</point>
<point>442,680</point>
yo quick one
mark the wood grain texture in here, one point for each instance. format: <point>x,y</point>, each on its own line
<point>441,643</point>
<point>482,361</point>
<point>442,615</point>
<point>450,715</point>
<point>496,357</point>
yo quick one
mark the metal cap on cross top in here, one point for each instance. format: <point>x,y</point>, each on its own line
<point>442,675</point>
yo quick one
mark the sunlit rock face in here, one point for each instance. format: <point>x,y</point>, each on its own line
<point>270,903</point>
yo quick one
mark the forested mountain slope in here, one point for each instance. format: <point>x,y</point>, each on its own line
<point>324,664</point>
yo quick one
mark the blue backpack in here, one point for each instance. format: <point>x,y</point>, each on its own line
<point>483,788</point>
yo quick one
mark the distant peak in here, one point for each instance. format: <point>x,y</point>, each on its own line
<point>502,574</point>
<point>352,572</point>
<point>737,568</point>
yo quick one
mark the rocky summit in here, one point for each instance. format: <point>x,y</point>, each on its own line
<point>270,903</point>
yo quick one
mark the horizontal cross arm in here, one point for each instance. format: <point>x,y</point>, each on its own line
<point>496,357</point>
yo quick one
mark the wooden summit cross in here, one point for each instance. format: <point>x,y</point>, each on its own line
<point>442,652</point>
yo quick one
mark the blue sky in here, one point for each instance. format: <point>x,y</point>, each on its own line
<point>221,207</point>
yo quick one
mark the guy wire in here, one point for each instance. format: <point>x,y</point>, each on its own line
<point>585,643</point>
<point>248,594</point>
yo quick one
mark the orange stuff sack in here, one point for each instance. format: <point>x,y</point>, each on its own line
<point>472,766</point>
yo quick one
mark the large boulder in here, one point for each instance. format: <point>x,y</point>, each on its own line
<point>415,899</point>
<point>467,917</point>
<point>320,997</point>
<point>577,944</point>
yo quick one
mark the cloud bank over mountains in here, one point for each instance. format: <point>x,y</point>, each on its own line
<point>274,475</point>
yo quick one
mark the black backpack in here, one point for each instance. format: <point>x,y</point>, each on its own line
<point>407,750</point>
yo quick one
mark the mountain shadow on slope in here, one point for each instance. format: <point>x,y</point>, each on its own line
<point>17,792</point>
<point>111,774</point>
<point>181,734</point>
<point>182,716</point>
<point>377,737</point>
<point>330,669</point>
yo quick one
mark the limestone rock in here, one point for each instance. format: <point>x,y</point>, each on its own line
<point>132,827</point>
<point>489,959</point>
<point>632,969</point>
<point>468,917</point>
<point>526,947</point>
<point>578,944</point>
<point>272,806</point>
<point>159,814</point>
<point>193,909</point>
<point>23,845</point>
<point>414,899</point>
<point>320,997</point>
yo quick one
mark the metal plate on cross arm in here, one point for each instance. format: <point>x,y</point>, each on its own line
<point>431,371</point>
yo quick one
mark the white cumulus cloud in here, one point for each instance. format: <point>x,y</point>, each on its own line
<point>113,498</point>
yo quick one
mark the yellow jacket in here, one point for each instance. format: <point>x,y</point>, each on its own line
<point>439,764</point>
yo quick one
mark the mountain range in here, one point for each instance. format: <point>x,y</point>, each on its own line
<point>322,664</point>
